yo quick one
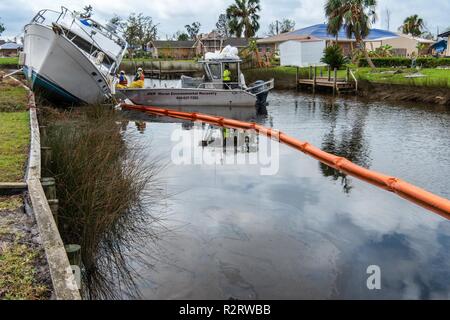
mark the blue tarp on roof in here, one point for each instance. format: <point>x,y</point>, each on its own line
<point>440,46</point>
<point>10,46</point>
<point>320,31</point>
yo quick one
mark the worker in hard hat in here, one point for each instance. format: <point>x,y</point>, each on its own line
<point>226,77</point>
<point>123,81</point>
<point>138,81</point>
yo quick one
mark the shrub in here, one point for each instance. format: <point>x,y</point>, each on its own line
<point>106,190</point>
<point>334,57</point>
<point>425,62</point>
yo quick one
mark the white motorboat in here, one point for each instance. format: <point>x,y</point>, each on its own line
<point>210,90</point>
<point>70,58</point>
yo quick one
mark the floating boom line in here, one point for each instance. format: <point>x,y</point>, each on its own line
<point>412,193</point>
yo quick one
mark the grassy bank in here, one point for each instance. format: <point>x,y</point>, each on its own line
<point>285,76</point>
<point>438,78</point>
<point>7,63</point>
<point>14,131</point>
<point>14,142</point>
<point>21,258</point>
<point>23,269</point>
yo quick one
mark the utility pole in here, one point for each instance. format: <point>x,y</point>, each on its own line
<point>388,18</point>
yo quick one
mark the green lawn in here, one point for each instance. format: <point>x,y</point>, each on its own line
<point>9,61</point>
<point>12,98</point>
<point>14,133</point>
<point>433,77</point>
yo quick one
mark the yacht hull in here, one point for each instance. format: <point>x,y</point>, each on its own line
<point>56,67</point>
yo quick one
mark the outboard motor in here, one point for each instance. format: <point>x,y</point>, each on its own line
<point>261,96</point>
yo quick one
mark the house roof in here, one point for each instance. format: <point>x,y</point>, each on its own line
<point>288,37</point>
<point>418,39</point>
<point>320,31</point>
<point>440,46</point>
<point>236,42</point>
<point>173,44</point>
<point>445,34</point>
<point>10,46</point>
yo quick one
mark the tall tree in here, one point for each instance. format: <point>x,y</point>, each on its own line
<point>413,25</point>
<point>244,18</point>
<point>193,30</point>
<point>388,14</point>
<point>283,26</point>
<point>356,16</point>
<point>87,12</point>
<point>180,36</point>
<point>2,28</point>
<point>117,23</point>
<point>223,26</point>
<point>140,30</point>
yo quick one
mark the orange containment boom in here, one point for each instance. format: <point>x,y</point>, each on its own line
<point>404,189</point>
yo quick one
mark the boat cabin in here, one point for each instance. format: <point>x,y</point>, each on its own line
<point>214,69</point>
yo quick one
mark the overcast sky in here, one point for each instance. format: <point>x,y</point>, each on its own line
<point>173,15</point>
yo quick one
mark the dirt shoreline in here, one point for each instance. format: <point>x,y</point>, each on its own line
<point>402,93</point>
<point>25,273</point>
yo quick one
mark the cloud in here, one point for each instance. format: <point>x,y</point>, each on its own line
<point>173,15</point>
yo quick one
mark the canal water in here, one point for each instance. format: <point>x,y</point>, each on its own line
<point>258,220</point>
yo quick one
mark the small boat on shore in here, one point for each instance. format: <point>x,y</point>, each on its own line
<point>210,90</point>
<point>69,58</point>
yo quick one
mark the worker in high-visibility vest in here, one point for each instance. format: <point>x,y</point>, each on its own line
<point>123,81</point>
<point>139,78</point>
<point>226,77</point>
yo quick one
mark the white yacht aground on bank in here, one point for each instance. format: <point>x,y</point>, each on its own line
<point>70,58</point>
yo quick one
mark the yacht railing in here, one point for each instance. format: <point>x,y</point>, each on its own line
<point>96,27</point>
<point>263,87</point>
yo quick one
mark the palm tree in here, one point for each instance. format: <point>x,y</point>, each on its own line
<point>413,25</point>
<point>243,17</point>
<point>356,16</point>
<point>335,19</point>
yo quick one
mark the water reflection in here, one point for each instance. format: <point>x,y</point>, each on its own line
<point>296,235</point>
<point>348,141</point>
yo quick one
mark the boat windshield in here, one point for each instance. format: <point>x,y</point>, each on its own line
<point>216,71</point>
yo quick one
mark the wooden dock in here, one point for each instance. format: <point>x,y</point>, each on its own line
<point>338,85</point>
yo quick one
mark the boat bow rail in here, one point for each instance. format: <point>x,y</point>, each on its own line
<point>101,38</point>
<point>261,87</point>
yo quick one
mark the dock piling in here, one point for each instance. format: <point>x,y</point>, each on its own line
<point>46,156</point>
<point>315,79</point>
<point>335,81</point>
